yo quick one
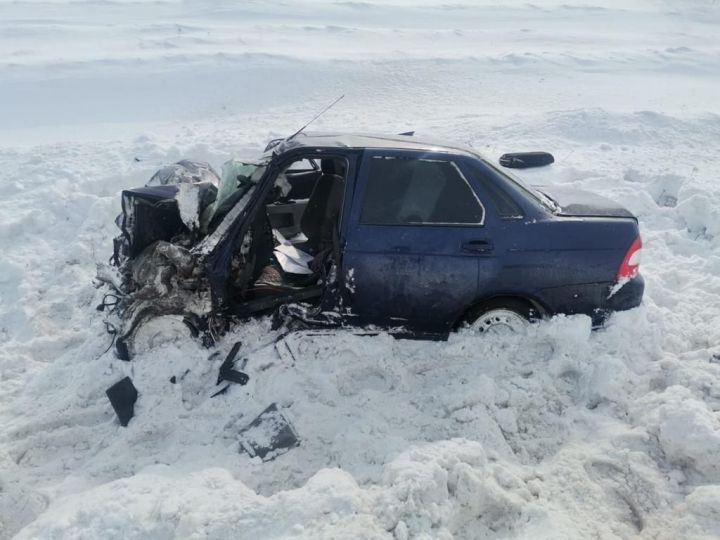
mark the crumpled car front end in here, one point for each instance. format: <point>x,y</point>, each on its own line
<point>168,230</point>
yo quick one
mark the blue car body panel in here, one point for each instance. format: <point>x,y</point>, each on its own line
<point>415,275</point>
<point>421,276</point>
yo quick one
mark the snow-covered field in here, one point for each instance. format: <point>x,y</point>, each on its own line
<point>563,433</point>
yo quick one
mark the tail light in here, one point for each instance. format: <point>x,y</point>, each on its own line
<point>631,262</point>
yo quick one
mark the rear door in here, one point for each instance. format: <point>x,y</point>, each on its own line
<point>415,239</point>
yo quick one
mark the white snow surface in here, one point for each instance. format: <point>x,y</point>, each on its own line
<point>561,433</point>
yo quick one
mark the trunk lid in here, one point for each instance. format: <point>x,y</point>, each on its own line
<point>577,203</point>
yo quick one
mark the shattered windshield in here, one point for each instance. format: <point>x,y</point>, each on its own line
<point>237,183</point>
<point>237,174</point>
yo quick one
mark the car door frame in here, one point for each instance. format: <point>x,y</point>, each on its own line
<point>217,263</point>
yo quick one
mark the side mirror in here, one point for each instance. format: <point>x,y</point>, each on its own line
<point>525,160</point>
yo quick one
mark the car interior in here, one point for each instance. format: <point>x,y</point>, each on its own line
<point>294,240</point>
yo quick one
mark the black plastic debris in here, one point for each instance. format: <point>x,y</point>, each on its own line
<point>222,391</point>
<point>174,379</point>
<point>233,375</point>
<point>227,371</point>
<point>122,351</point>
<point>122,396</point>
<point>269,435</point>
<point>525,160</point>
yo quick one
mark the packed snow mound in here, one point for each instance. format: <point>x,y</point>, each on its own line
<point>560,433</point>
<point>432,487</point>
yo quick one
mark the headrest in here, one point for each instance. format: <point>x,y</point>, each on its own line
<point>332,166</point>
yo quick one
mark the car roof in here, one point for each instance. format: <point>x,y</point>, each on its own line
<point>371,140</point>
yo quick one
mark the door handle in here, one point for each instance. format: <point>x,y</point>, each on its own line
<point>477,246</point>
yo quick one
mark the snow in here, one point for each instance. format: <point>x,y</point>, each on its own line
<point>188,201</point>
<point>561,433</point>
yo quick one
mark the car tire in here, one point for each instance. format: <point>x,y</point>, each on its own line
<point>526,160</point>
<point>500,317</point>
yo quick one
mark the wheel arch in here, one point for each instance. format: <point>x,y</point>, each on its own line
<point>531,303</point>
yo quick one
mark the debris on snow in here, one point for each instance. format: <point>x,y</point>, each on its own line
<point>268,435</point>
<point>122,396</point>
<point>227,371</point>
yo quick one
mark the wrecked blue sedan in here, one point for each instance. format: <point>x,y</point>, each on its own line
<point>341,229</point>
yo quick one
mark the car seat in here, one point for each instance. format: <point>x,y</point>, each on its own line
<point>324,206</point>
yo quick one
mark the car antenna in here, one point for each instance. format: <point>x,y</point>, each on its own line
<point>318,115</point>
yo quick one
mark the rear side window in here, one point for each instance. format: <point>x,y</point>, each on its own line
<point>407,191</point>
<point>505,206</point>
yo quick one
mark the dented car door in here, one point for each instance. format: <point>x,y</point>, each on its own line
<point>414,240</point>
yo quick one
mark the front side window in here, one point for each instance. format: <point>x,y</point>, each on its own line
<point>410,191</point>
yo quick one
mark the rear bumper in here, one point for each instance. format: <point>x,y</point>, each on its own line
<point>628,296</point>
<point>594,299</point>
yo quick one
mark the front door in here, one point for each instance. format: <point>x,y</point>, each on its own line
<point>415,239</point>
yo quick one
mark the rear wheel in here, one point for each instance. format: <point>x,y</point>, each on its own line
<point>500,317</point>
